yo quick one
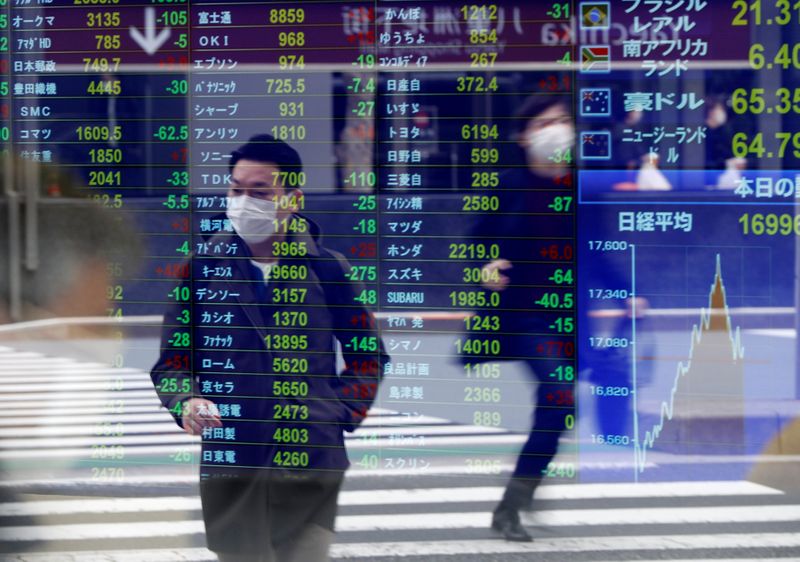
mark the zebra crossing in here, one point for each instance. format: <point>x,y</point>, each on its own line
<point>389,536</point>
<point>53,508</point>
<point>118,407</point>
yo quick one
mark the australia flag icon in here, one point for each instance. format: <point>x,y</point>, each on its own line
<point>595,102</point>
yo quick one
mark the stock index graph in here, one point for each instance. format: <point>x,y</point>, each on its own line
<point>674,332</point>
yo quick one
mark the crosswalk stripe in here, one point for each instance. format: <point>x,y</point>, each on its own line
<point>170,433</point>
<point>99,506</point>
<point>160,479</point>
<point>76,406</point>
<point>13,362</point>
<point>131,451</point>
<point>50,388</point>
<point>387,424</point>
<point>351,498</point>
<point>138,555</point>
<point>66,442</point>
<point>10,351</point>
<point>101,397</point>
<point>35,433</point>
<point>429,521</point>
<point>573,517</point>
<point>58,418</point>
<point>374,550</point>
<point>418,521</point>
<point>425,430</point>
<point>80,376</point>
<point>89,531</point>
<point>52,422</point>
<point>129,407</point>
<point>173,434</point>
<point>49,373</point>
<point>558,492</point>
<point>339,551</point>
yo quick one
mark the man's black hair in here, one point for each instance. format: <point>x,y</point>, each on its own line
<point>268,149</point>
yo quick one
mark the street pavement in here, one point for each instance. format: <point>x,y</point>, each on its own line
<point>94,470</point>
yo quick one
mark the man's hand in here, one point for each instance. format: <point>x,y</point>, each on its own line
<point>494,279</point>
<point>199,413</point>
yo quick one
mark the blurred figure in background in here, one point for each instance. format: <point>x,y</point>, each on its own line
<point>76,241</point>
<point>547,137</point>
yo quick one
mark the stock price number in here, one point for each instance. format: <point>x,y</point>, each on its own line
<point>770,224</point>
<point>289,272</point>
<point>755,12</point>
<point>601,390</point>
<point>291,458</point>
<point>487,418</point>
<point>476,299</point>
<point>464,251</point>
<point>290,365</point>
<point>786,57</point>
<point>564,470</point>
<point>482,394</point>
<point>290,388</point>
<point>606,439</point>
<point>556,300</point>
<point>477,347</point>
<point>292,435</point>
<point>482,323</point>
<point>482,12</point>
<point>289,412</point>
<point>785,101</point>
<point>286,342</point>
<point>174,385</point>
<point>744,146</point>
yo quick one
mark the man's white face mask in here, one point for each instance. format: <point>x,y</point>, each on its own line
<point>717,117</point>
<point>548,141</point>
<point>253,219</point>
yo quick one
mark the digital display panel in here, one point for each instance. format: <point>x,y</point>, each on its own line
<point>284,267</point>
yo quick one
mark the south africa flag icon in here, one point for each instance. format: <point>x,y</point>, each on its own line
<point>596,58</point>
<point>595,15</point>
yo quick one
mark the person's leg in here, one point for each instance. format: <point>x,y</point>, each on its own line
<point>236,518</point>
<point>238,557</point>
<point>554,402</point>
<point>312,544</point>
<point>304,512</point>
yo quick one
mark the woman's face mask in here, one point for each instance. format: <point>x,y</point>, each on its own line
<point>549,141</point>
<point>253,219</point>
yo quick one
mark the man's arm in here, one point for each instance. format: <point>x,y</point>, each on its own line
<point>172,374</point>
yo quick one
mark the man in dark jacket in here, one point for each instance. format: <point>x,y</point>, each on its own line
<point>250,365</point>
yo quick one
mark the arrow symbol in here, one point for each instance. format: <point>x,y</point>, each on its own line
<point>149,41</point>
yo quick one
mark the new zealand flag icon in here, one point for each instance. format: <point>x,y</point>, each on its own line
<point>596,145</point>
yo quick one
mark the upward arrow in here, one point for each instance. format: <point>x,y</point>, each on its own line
<point>149,41</point>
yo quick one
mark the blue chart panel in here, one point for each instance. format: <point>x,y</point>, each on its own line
<point>686,342</point>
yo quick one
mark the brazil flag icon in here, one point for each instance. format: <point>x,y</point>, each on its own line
<point>595,15</point>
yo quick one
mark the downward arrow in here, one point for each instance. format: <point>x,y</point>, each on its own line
<point>149,41</point>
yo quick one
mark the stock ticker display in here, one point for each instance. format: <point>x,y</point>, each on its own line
<point>602,193</point>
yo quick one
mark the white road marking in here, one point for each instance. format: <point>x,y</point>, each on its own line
<point>428,521</point>
<point>404,497</point>
<point>374,550</point>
